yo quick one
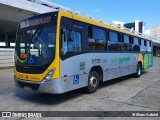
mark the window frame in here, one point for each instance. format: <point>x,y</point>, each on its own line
<point>129,43</point>
<point>90,36</point>
<point>112,32</point>
<point>67,40</point>
<point>134,40</point>
<point>119,40</point>
<point>124,37</point>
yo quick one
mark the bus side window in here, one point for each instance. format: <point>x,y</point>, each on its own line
<point>96,39</point>
<point>113,43</point>
<point>71,41</point>
<point>99,36</point>
<point>74,42</point>
<point>142,45</point>
<point>135,44</point>
<point>126,45</point>
<point>149,49</point>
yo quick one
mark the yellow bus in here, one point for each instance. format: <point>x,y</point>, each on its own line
<point>61,51</point>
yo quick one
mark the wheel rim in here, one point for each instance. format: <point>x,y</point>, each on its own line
<point>139,71</point>
<point>93,81</point>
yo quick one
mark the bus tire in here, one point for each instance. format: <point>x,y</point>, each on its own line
<point>93,82</point>
<point>139,71</point>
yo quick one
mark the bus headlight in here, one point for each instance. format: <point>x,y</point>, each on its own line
<point>49,75</point>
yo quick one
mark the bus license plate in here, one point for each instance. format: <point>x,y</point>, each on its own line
<point>28,88</point>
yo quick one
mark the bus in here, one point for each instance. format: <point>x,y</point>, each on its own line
<point>61,51</point>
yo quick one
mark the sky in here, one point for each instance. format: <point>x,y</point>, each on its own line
<point>119,10</point>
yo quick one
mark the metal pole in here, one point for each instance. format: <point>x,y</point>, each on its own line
<point>6,36</point>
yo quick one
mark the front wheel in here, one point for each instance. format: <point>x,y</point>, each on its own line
<point>93,82</point>
<point>139,71</point>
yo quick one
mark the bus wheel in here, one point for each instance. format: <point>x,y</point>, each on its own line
<point>139,71</point>
<point>93,82</point>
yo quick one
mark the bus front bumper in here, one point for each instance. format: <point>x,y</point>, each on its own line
<point>52,86</point>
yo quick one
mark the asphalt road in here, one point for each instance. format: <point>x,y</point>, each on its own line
<point>123,94</point>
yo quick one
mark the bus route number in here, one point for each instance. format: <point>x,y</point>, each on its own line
<point>96,61</point>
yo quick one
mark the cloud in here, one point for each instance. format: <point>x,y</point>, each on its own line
<point>147,32</point>
<point>97,10</point>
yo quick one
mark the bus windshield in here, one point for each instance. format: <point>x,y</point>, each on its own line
<point>35,46</point>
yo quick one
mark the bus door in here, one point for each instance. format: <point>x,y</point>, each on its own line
<point>72,57</point>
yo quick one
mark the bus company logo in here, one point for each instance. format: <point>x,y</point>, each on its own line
<point>96,61</point>
<point>6,114</point>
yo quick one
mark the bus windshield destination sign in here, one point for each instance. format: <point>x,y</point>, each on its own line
<point>40,21</point>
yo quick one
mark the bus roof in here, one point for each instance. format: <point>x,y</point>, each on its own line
<point>104,25</point>
<point>92,22</point>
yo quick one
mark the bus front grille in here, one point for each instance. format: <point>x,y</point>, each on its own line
<point>32,86</point>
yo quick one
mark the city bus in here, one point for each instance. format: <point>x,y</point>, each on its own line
<point>61,51</point>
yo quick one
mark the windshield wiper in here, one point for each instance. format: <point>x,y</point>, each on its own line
<point>36,34</point>
<point>27,40</point>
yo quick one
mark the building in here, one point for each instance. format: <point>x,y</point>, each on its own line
<point>11,13</point>
<point>155,32</point>
<point>137,26</point>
